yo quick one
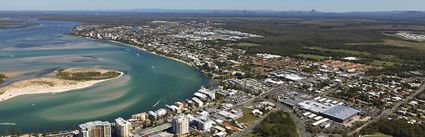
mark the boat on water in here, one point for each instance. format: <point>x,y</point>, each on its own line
<point>154,105</point>
<point>7,124</point>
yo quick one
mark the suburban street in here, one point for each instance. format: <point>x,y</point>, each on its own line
<point>389,111</point>
<point>260,96</point>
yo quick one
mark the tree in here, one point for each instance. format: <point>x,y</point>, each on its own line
<point>2,77</point>
<point>395,128</point>
<point>277,124</point>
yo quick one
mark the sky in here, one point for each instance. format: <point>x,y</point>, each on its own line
<point>279,5</point>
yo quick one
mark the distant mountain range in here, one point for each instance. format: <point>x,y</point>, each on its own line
<point>411,15</point>
<point>313,11</point>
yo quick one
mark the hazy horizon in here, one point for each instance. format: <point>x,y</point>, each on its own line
<point>267,5</point>
<point>193,10</point>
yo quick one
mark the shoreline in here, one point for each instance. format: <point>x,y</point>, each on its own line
<point>161,55</point>
<point>143,49</point>
<point>24,87</point>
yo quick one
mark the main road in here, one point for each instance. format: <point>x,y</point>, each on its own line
<point>300,125</point>
<point>389,111</point>
<point>274,90</point>
<point>252,126</point>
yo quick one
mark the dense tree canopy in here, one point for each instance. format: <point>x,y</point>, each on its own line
<point>2,77</point>
<point>322,37</point>
<point>277,124</point>
<point>86,75</point>
<point>396,128</point>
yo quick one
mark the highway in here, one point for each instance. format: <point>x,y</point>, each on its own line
<point>300,125</point>
<point>252,126</point>
<point>389,111</point>
<point>249,101</point>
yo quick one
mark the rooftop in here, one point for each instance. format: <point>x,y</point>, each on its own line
<point>341,112</point>
<point>314,106</point>
<point>94,123</point>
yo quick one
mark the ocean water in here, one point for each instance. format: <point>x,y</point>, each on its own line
<point>150,82</point>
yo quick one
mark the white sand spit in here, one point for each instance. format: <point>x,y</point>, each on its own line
<point>44,86</point>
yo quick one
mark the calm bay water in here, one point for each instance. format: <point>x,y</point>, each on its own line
<point>40,49</point>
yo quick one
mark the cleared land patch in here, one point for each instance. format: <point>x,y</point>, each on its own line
<point>376,135</point>
<point>312,56</point>
<point>243,44</point>
<point>351,52</point>
<point>248,118</point>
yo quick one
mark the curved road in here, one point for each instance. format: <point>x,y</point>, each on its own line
<point>300,125</point>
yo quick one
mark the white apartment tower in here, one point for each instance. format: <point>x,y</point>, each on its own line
<point>180,125</point>
<point>96,129</point>
<point>123,127</point>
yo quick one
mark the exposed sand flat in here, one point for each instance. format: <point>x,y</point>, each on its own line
<point>43,86</point>
<point>18,72</point>
<point>61,58</point>
<point>83,45</point>
<point>15,73</point>
<point>10,74</point>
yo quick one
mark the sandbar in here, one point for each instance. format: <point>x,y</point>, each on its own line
<point>45,85</point>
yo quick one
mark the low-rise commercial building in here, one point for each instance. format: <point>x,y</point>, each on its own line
<point>338,113</point>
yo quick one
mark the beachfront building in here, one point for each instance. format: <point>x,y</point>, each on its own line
<point>96,129</point>
<point>123,127</point>
<point>211,95</point>
<point>140,116</point>
<point>180,125</point>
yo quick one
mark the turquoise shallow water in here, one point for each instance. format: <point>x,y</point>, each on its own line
<point>40,49</point>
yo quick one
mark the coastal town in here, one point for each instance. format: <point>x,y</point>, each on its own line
<point>327,97</point>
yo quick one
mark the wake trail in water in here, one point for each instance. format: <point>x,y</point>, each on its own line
<point>7,124</point>
<point>156,103</point>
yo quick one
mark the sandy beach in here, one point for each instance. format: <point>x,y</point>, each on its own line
<point>172,58</point>
<point>45,86</point>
